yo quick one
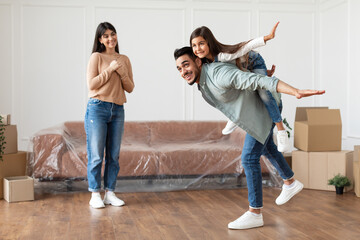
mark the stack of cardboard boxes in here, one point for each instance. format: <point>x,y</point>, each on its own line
<point>14,185</point>
<point>317,135</point>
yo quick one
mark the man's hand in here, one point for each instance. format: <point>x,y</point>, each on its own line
<point>283,87</point>
<point>271,71</point>
<point>272,34</point>
<point>307,93</point>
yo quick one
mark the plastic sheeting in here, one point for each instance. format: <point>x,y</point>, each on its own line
<point>154,156</point>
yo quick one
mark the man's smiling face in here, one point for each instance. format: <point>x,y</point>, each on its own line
<point>188,69</point>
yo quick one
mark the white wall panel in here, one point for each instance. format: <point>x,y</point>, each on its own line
<point>334,59</point>
<point>53,67</point>
<point>6,46</point>
<point>45,46</point>
<point>149,37</point>
<point>354,76</point>
<point>228,27</point>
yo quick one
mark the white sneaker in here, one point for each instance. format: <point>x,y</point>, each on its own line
<point>287,193</point>
<point>247,220</point>
<point>229,128</point>
<point>110,198</point>
<point>96,201</point>
<point>283,143</point>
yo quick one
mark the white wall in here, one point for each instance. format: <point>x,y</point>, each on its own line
<point>45,46</point>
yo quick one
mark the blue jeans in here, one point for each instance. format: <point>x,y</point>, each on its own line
<point>257,65</point>
<point>250,160</point>
<point>104,127</point>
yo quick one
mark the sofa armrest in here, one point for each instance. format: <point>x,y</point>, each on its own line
<point>45,162</point>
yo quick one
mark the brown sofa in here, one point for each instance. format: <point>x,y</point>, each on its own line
<point>148,149</point>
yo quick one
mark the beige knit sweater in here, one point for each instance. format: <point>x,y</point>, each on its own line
<point>106,83</point>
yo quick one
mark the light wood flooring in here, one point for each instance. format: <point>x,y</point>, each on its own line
<point>181,215</point>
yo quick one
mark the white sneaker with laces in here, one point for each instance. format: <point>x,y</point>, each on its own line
<point>110,198</point>
<point>288,192</point>
<point>229,128</point>
<point>283,143</point>
<point>246,221</point>
<point>96,201</point>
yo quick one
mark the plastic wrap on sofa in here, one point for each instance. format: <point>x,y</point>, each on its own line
<point>175,154</point>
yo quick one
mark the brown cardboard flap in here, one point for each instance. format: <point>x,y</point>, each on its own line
<point>11,139</point>
<point>323,116</point>
<point>301,114</point>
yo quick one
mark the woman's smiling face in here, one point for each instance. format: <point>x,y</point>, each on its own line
<point>109,39</point>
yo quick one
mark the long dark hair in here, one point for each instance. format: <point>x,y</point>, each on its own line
<point>217,47</point>
<point>101,29</point>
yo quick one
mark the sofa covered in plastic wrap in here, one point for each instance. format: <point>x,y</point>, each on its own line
<point>149,149</point>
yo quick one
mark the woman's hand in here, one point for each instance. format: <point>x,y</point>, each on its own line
<point>115,64</point>
<point>272,34</point>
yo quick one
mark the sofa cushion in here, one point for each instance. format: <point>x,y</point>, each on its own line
<point>197,158</point>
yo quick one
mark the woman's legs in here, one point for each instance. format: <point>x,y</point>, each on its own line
<point>95,128</point>
<point>104,126</point>
<point>113,142</point>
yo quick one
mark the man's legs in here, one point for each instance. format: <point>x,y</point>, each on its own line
<point>250,160</point>
<point>291,186</point>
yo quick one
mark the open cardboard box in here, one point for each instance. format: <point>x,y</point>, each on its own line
<point>317,129</point>
<point>12,165</point>
<point>18,189</point>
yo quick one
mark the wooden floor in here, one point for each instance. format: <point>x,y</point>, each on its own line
<point>181,215</point>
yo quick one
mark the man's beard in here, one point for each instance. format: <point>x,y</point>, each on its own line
<point>193,81</point>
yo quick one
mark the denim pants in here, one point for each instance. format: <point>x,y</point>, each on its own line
<point>257,65</point>
<point>104,127</point>
<point>250,160</point>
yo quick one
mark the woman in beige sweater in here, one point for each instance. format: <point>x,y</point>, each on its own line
<point>109,75</point>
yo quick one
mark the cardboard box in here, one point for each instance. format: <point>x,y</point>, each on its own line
<point>356,153</point>
<point>357,179</point>
<point>317,129</point>
<point>314,169</point>
<point>12,165</point>
<point>17,189</point>
<point>11,139</point>
<point>5,119</point>
<point>288,158</point>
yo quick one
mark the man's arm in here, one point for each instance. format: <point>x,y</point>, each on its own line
<point>283,87</point>
<point>228,76</point>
